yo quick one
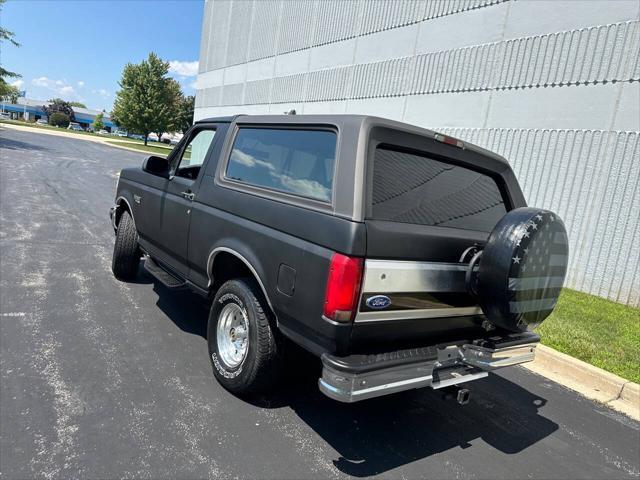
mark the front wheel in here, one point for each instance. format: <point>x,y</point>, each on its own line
<point>245,348</point>
<point>126,253</point>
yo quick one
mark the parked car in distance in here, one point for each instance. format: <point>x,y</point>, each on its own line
<point>41,121</point>
<point>103,132</point>
<point>75,126</point>
<point>120,133</point>
<point>6,116</point>
<point>136,136</point>
<point>152,137</point>
<point>401,257</point>
<point>175,139</point>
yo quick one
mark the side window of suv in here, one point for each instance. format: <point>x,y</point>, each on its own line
<point>295,161</point>
<point>188,163</point>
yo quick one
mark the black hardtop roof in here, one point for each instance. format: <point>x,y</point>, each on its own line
<point>343,119</point>
<point>285,118</point>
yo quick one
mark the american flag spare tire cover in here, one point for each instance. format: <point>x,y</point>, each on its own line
<point>522,268</point>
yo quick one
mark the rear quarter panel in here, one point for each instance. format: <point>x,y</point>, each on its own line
<point>268,234</point>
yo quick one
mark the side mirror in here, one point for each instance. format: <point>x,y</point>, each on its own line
<point>156,166</point>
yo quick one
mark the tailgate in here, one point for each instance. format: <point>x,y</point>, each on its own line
<point>429,207</point>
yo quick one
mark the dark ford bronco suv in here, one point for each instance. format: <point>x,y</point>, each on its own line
<point>401,257</point>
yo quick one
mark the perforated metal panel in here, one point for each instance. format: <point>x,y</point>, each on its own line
<point>205,40</point>
<point>329,84</point>
<point>381,79</point>
<point>599,54</point>
<point>337,21</point>
<point>233,94</point>
<point>257,92</point>
<point>288,89</point>
<point>297,23</point>
<point>385,14</point>
<point>264,29</point>
<point>219,34</point>
<point>239,32</point>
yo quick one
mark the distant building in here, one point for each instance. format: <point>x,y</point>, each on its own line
<point>32,110</point>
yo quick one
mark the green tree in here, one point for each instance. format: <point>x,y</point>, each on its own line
<point>173,96</point>
<point>59,119</point>
<point>184,114</point>
<point>11,93</point>
<point>72,104</point>
<point>5,88</point>
<point>146,101</point>
<point>98,123</point>
<point>59,105</point>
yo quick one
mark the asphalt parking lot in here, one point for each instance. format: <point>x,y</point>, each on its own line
<point>106,379</point>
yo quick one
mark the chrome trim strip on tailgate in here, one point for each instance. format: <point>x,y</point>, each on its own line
<point>395,276</point>
<point>383,315</point>
<point>401,276</point>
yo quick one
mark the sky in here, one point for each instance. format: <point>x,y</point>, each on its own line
<point>76,49</point>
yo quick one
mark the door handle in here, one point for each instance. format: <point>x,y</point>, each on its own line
<point>189,195</point>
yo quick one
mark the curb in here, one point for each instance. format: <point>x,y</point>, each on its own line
<point>123,147</point>
<point>88,138</point>
<point>592,382</point>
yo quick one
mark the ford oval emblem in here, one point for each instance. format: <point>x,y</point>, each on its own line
<point>378,302</point>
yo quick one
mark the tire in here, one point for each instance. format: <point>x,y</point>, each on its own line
<point>239,312</point>
<point>126,253</point>
<point>522,269</point>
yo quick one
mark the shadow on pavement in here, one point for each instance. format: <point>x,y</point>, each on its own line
<point>10,144</point>
<point>188,310</point>
<point>378,435</point>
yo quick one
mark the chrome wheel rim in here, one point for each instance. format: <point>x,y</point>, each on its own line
<point>232,334</point>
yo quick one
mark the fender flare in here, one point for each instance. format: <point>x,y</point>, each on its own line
<point>119,202</point>
<point>243,259</point>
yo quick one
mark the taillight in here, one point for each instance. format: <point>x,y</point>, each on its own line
<point>343,287</point>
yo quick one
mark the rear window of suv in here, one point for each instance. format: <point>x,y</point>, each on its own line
<point>294,161</point>
<point>414,188</point>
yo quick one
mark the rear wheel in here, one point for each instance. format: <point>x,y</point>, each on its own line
<point>245,348</point>
<point>126,253</point>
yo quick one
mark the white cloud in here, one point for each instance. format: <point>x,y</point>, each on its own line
<point>60,87</point>
<point>81,83</point>
<point>41,82</point>
<point>17,83</point>
<point>186,69</point>
<point>102,92</point>
<point>67,91</point>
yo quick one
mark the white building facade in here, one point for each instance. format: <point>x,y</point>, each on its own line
<point>554,86</point>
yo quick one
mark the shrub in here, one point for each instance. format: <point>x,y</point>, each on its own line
<point>59,119</point>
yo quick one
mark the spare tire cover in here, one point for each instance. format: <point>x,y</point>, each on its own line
<point>522,268</point>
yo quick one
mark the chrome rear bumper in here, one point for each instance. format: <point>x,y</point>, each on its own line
<point>437,367</point>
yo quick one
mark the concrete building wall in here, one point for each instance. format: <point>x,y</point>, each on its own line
<point>554,86</point>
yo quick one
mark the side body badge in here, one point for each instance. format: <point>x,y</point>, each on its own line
<point>137,198</point>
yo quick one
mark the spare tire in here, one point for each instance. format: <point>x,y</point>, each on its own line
<point>522,269</point>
